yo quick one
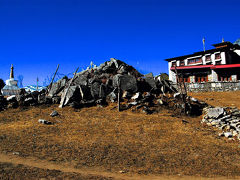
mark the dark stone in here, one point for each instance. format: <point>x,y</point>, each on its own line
<point>35,95</point>
<point>58,86</point>
<point>150,80</point>
<point>95,89</point>
<point>85,92</point>
<point>54,113</point>
<point>56,99</point>
<point>28,101</point>
<point>41,99</point>
<point>81,80</point>
<point>73,94</point>
<point>146,110</point>
<point>127,82</point>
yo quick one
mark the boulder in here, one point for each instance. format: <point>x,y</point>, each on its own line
<point>150,80</point>
<point>95,89</point>
<point>72,94</point>
<point>215,112</point>
<point>127,82</point>
<point>58,86</point>
<point>81,80</point>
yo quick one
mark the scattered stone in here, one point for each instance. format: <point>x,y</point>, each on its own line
<point>228,134</point>
<point>54,113</point>
<point>43,121</point>
<point>184,121</point>
<point>15,153</point>
<point>136,96</point>
<point>221,134</point>
<point>159,101</point>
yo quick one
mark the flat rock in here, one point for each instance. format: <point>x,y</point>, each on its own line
<point>215,112</point>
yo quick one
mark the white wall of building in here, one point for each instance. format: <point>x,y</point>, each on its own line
<point>237,51</point>
<point>172,75</point>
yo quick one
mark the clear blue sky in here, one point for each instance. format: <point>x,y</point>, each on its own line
<point>36,35</point>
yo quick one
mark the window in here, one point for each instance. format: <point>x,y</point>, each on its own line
<point>218,56</point>
<point>185,79</point>
<point>182,63</point>
<point>208,58</point>
<point>218,62</point>
<point>224,77</point>
<point>173,64</point>
<point>201,78</point>
<point>196,60</point>
<point>191,61</point>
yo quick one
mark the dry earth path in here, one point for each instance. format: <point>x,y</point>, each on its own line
<point>67,168</point>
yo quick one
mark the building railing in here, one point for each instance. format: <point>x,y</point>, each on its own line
<point>211,86</point>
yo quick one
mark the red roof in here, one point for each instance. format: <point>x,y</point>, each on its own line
<point>208,66</point>
<point>192,67</point>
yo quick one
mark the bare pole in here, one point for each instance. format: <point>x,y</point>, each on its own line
<point>50,85</point>
<point>181,91</point>
<point>203,40</point>
<point>119,91</point>
<point>66,91</point>
<point>178,81</point>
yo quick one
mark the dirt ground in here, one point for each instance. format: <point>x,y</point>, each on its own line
<point>101,143</point>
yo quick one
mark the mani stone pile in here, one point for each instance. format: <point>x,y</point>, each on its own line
<point>106,83</point>
<point>225,118</point>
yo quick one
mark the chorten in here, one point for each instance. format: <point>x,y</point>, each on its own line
<point>11,87</point>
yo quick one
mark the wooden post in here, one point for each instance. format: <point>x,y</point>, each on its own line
<point>178,82</point>
<point>66,91</point>
<point>119,98</point>
<point>50,85</point>
<point>181,92</point>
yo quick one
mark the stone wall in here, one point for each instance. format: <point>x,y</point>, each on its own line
<point>212,86</point>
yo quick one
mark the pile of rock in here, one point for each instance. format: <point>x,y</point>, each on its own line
<point>112,80</point>
<point>225,118</point>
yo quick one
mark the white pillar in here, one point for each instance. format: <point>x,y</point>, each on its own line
<point>213,59</point>
<point>214,76</point>
<point>204,60</point>
<point>192,79</point>
<point>223,57</point>
<point>178,63</point>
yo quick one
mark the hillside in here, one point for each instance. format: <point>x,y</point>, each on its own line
<point>107,141</point>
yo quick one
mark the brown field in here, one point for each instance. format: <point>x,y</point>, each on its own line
<point>98,143</point>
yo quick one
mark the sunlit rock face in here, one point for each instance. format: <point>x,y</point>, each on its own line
<point>11,87</point>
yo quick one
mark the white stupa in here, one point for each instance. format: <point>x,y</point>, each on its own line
<point>11,87</point>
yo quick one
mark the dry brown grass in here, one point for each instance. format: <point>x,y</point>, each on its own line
<point>104,138</point>
<point>228,99</point>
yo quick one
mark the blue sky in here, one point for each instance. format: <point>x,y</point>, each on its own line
<point>36,35</point>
